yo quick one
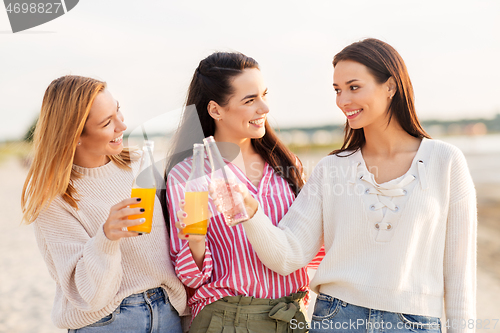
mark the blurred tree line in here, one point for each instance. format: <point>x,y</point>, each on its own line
<point>28,137</point>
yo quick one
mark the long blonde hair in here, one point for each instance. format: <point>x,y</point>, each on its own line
<point>65,109</point>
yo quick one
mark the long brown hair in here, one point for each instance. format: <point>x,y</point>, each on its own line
<point>65,109</point>
<point>212,81</point>
<point>383,62</point>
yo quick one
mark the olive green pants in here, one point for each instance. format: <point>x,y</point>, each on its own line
<point>241,314</point>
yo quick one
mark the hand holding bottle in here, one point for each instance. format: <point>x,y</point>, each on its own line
<point>196,241</point>
<point>117,222</point>
<point>251,205</point>
<point>180,225</point>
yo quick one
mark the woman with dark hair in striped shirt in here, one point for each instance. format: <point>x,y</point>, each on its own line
<point>231,286</point>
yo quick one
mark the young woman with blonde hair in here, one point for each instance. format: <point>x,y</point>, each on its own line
<point>77,195</point>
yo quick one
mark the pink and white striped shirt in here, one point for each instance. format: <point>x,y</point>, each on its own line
<point>231,266</point>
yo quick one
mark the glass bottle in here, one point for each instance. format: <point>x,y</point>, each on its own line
<point>224,182</point>
<point>196,195</point>
<point>144,187</point>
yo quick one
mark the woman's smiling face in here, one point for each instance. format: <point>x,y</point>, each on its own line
<point>103,132</point>
<point>244,116</point>
<point>361,98</point>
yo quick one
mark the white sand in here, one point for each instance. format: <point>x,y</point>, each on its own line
<point>26,289</point>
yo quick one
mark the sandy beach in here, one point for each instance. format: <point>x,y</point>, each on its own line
<point>27,291</point>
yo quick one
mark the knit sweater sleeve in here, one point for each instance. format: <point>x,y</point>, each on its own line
<point>298,237</point>
<point>88,269</point>
<point>460,248</point>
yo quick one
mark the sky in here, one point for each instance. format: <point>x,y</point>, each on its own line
<point>148,50</point>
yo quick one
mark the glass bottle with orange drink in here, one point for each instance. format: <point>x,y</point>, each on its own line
<point>144,187</point>
<point>196,195</point>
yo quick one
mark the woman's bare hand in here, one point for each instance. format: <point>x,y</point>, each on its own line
<point>196,242</point>
<point>180,225</point>
<point>117,222</point>
<point>251,204</point>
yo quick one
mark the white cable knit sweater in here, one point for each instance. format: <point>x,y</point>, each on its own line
<point>92,273</point>
<point>400,246</point>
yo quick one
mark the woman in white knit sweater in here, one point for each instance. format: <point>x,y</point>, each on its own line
<point>77,194</point>
<point>395,209</point>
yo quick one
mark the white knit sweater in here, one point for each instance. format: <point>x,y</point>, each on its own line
<point>92,273</point>
<point>399,246</point>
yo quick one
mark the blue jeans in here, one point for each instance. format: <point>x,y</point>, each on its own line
<point>334,315</point>
<point>147,312</point>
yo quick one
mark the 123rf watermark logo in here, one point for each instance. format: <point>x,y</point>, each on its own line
<point>26,14</point>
